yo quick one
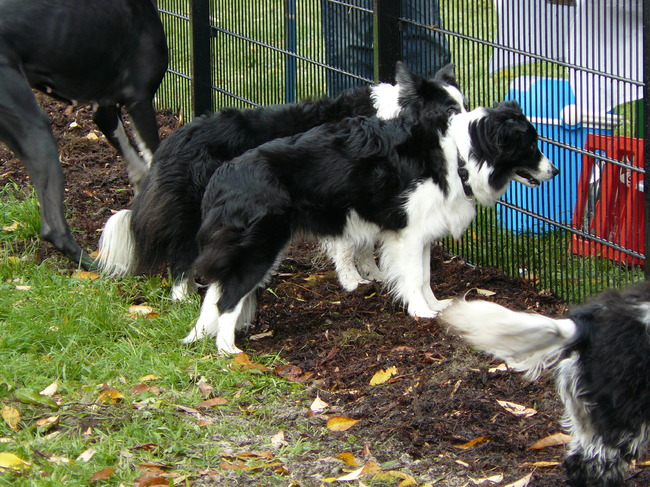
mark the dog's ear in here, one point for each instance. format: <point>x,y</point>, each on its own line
<point>410,84</point>
<point>446,75</point>
<point>510,105</point>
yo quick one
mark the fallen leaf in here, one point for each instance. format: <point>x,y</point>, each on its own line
<point>141,310</point>
<point>278,439</point>
<point>87,275</point>
<point>28,396</point>
<point>149,378</point>
<point>110,395</point>
<point>9,461</point>
<point>383,375</point>
<point>260,336</point>
<point>542,464</point>
<point>517,409</point>
<point>522,482</point>
<point>47,422</point>
<point>206,389</point>
<point>318,406</point>
<point>103,474</point>
<point>215,401</point>
<point>348,458</point>
<point>553,440</point>
<point>484,292</point>
<point>58,460</point>
<point>341,423</point>
<point>87,455</point>
<point>244,362</point>
<point>472,443</point>
<point>494,479</point>
<point>406,480</point>
<point>50,390</point>
<point>92,136</point>
<point>23,287</point>
<point>148,481</point>
<point>499,368</point>
<point>370,468</point>
<point>11,228</point>
<point>145,446</point>
<point>11,416</point>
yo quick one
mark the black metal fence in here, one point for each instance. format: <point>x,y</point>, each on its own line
<point>576,67</point>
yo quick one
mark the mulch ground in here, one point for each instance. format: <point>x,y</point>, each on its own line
<point>439,414</point>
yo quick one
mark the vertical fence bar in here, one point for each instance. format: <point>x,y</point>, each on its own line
<point>291,45</point>
<point>201,59</point>
<point>646,134</point>
<point>386,38</point>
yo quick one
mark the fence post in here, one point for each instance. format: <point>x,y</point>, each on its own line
<point>201,59</point>
<point>291,47</point>
<point>386,38</point>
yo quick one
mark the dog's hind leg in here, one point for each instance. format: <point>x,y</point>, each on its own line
<point>25,128</point>
<point>109,121</point>
<point>341,252</point>
<point>366,263</point>
<point>146,128</point>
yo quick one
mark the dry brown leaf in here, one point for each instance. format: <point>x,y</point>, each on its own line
<point>206,389</point>
<point>50,390</point>
<point>141,311</point>
<point>215,401</point>
<point>341,423</point>
<point>103,474</point>
<point>87,455</point>
<point>553,440</point>
<point>348,458</point>
<point>47,422</point>
<point>542,464</point>
<point>484,292</point>
<point>383,375</point>
<point>110,395</point>
<point>11,416</point>
<point>148,481</point>
<point>370,468</point>
<point>517,409</point>
<point>472,443</point>
<point>149,378</point>
<point>87,275</point>
<point>406,480</point>
<point>243,361</point>
<point>522,482</point>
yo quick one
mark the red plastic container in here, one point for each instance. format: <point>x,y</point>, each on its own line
<point>609,202</point>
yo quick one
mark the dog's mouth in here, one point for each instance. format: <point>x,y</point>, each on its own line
<point>526,178</point>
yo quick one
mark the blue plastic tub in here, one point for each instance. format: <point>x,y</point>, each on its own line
<point>543,100</point>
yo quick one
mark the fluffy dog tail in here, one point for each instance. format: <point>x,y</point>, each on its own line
<point>117,246</point>
<point>527,342</point>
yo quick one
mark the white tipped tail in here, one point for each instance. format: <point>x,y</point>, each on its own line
<point>525,341</point>
<point>116,246</point>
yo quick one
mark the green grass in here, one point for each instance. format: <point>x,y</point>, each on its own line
<point>80,333</point>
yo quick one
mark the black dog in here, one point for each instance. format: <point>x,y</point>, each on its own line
<point>601,357</point>
<point>162,225</point>
<point>111,53</point>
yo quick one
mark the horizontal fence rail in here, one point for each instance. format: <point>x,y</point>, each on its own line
<point>576,67</point>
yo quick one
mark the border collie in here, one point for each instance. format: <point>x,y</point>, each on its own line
<point>404,182</point>
<point>600,355</point>
<point>162,225</point>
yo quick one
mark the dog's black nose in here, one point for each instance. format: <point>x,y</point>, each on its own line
<point>555,171</point>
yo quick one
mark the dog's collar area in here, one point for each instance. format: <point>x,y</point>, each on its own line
<point>463,174</point>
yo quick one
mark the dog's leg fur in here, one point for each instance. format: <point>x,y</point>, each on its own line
<point>367,264</point>
<point>341,251</point>
<point>435,303</point>
<point>109,121</point>
<point>402,264</point>
<point>209,319</point>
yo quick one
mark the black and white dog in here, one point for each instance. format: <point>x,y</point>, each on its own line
<point>162,225</point>
<point>404,182</point>
<point>111,53</point>
<point>601,356</point>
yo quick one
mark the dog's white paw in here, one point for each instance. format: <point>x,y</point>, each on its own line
<point>352,285</point>
<point>226,346</point>
<point>440,304</point>
<point>182,290</point>
<point>422,312</point>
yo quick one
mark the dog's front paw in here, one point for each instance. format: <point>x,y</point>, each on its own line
<point>226,347</point>
<point>423,312</point>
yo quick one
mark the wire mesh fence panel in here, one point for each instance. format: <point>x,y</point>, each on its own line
<point>574,66</point>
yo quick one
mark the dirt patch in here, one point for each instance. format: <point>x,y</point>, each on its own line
<point>443,394</point>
